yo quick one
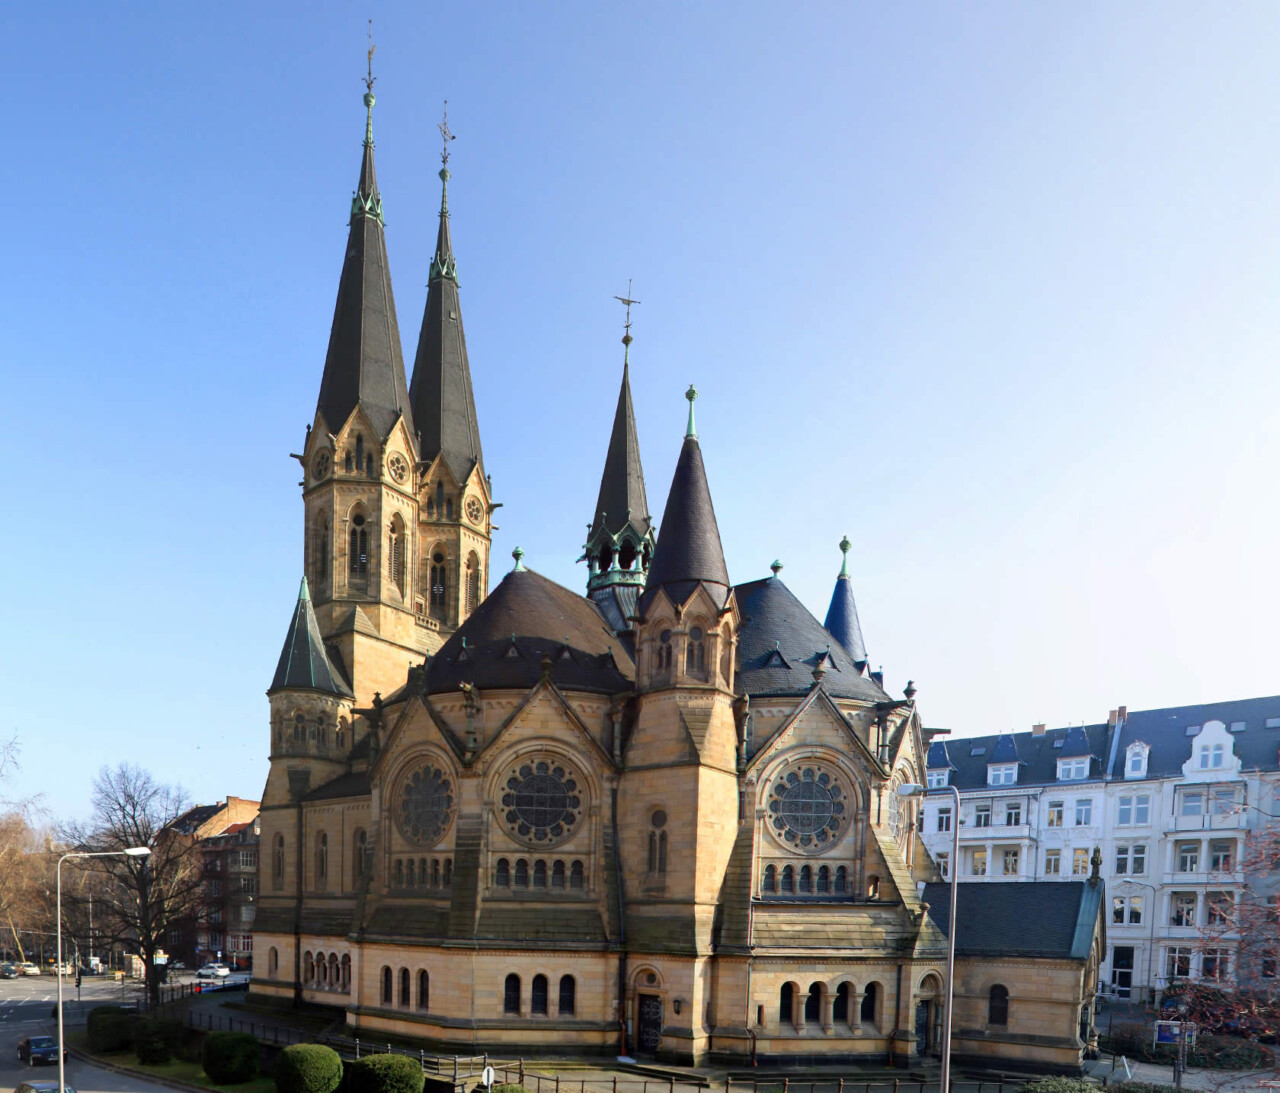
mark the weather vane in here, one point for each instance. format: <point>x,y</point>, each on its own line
<point>445,135</point>
<point>369,79</point>
<point>626,331</point>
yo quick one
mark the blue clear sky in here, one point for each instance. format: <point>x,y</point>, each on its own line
<point>989,287</point>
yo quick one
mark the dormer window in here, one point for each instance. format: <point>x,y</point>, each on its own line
<point>1002,774</point>
<point>1211,756</point>
<point>938,778</point>
<point>1073,770</point>
<point>1135,765</point>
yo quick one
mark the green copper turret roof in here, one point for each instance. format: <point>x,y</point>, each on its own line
<point>365,364</point>
<point>304,665</point>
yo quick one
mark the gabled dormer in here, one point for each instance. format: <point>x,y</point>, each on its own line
<point>1002,769</point>
<point>1213,757</point>
<point>1135,759</point>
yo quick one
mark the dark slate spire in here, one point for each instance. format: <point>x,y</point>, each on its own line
<point>443,406</point>
<point>689,551</point>
<point>842,616</point>
<point>304,665</point>
<point>365,364</point>
<point>622,499</point>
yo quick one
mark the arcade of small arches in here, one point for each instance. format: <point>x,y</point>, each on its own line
<point>424,873</point>
<point>538,1001</point>
<point>820,1006</point>
<point>299,733</point>
<point>810,880</point>
<point>320,971</point>
<point>540,873</point>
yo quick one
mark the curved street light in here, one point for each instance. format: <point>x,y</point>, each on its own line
<point>129,852</point>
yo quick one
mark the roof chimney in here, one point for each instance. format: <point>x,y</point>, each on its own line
<point>1037,730</point>
<point>1123,713</point>
<point>1111,719</point>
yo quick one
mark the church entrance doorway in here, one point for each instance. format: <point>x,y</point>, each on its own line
<point>922,1027</point>
<point>649,1025</point>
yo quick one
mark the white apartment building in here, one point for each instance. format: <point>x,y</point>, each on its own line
<point>1168,798</point>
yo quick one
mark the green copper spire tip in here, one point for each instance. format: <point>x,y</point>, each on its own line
<point>776,567</point>
<point>518,555</point>
<point>304,593</point>
<point>369,100</point>
<point>690,431</point>
<point>844,560</point>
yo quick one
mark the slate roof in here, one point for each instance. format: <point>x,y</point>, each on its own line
<point>303,664</point>
<point>1164,731</point>
<point>842,620</point>
<point>444,406</point>
<point>780,643</point>
<point>351,784</point>
<point>993,918</point>
<point>617,603</point>
<point>526,618</point>
<point>622,497</point>
<point>1037,755</point>
<point>364,364</point>
<point>689,551</point>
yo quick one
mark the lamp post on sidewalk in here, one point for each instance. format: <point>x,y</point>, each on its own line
<point>130,852</point>
<point>911,789</point>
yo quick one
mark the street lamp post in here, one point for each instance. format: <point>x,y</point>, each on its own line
<point>130,852</point>
<point>953,867</point>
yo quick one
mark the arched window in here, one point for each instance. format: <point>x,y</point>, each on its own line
<point>522,873</point>
<point>359,852</point>
<point>540,874</point>
<point>322,859</point>
<point>359,450</point>
<point>439,583</point>
<point>440,500</point>
<point>568,995</point>
<point>473,582</point>
<point>277,863</point>
<point>867,1014</point>
<point>273,961</point>
<point>396,553</point>
<point>320,570</point>
<point>806,879</point>
<point>998,1005</point>
<point>448,508</point>
<point>538,998</point>
<point>813,1003</point>
<point>404,987</point>
<point>345,974</point>
<point>409,874</point>
<point>840,1007</point>
<point>422,870</point>
<point>627,555</point>
<point>786,1002</point>
<point>502,874</point>
<point>770,878</point>
<point>386,986</point>
<point>824,879</point>
<point>511,994</point>
<point>658,842</point>
<point>435,872</point>
<point>358,549</point>
<point>788,879</point>
<point>557,875</point>
<point>308,968</point>
<point>334,972</point>
<point>447,877</point>
<point>664,651</point>
<point>577,877</point>
<point>399,873</point>
<point>842,880</point>
<point>695,653</point>
<point>349,462</point>
<point>424,991</point>
<point>873,887</point>
<point>368,464</point>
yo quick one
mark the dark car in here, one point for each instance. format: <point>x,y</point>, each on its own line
<point>41,1087</point>
<point>38,1049</point>
<point>8,971</point>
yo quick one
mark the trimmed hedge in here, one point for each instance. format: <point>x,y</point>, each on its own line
<point>230,1058</point>
<point>1060,1085</point>
<point>157,1041</point>
<point>308,1068</point>
<point>110,1028</point>
<point>384,1074</point>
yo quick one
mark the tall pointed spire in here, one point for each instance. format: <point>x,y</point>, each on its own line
<point>689,551</point>
<point>444,407</point>
<point>303,664</point>
<point>365,364</point>
<point>842,616</point>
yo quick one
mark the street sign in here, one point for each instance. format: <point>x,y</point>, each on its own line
<point>1167,1032</point>
<point>486,1077</point>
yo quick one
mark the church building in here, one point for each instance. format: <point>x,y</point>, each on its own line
<point>657,819</point>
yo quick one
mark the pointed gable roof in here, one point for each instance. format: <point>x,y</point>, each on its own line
<point>444,407</point>
<point>365,365</point>
<point>303,664</point>
<point>842,616</point>
<point>622,497</point>
<point>689,552</point>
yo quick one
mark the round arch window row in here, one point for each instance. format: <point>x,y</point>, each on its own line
<point>424,873</point>
<point>542,873</point>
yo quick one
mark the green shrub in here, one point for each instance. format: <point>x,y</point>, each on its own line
<point>110,1028</point>
<point>152,1042</point>
<point>1143,1087</point>
<point>384,1074</point>
<point>1061,1085</point>
<point>230,1058</point>
<point>507,1087</point>
<point>308,1068</point>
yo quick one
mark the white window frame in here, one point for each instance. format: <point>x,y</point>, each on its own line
<point>1054,857</point>
<point>1073,770</point>
<point>1002,774</point>
<point>938,779</point>
<point>1084,812</point>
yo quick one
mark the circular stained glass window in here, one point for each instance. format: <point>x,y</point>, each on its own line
<point>542,802</point>
<point>425,806</point>
<point>807,807</point>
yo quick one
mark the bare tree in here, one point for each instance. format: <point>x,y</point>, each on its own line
<point>146,897</point>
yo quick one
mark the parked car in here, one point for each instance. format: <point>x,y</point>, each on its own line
<point>213,971</point>
<point>8,971</point>
<point>41,1087</point>
<point>177,966</point>
<point>27,968</point>
<point>38,1049</point>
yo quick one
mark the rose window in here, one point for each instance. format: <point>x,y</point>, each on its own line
<point>425,806</point>
<point>542,802</point>
<point>807,807</point>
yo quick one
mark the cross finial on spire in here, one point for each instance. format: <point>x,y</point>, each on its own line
<point>445,134</point>
<point>626,329</point>
<point>369,80</point>
<point>691,394</point>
